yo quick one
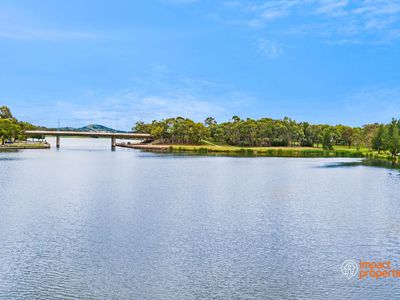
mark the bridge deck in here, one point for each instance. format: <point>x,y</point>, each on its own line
<point>118,135</point>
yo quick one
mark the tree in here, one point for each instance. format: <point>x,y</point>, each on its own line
<point>327,139</point>
<point>174,130</point>
<point>5,113</point>
<point>347,135</point>
<point>210,121</point>
<point>316,134</point>
<point>357,138</point>
<point>380,138</point>
<point>235,119</point>
<point>212,126</point>
<point>394,138</point>
<point>270,132</point>
<point>7,129</point>
<point>368,132</point>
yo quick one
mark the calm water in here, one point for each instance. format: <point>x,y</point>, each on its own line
<point>85,222</point>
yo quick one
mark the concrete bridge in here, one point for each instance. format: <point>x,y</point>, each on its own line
<point>112,135</point>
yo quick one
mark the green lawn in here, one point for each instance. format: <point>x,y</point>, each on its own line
<point>338,151</point>
<point>25,146</point>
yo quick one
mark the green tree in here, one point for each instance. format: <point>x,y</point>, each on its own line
<point>347,135</point>
<point>368,132</point>
<point>212,126</point>
<point>380,139</point>
<point>394,138</point>
<point>327,139</point>
<point>270,132</point>
<point>357,138</point>
<point>235,119</point>
<point>7,130</point>
<point>5,113</point>
<point>316,133</point>
<point>210,121</point>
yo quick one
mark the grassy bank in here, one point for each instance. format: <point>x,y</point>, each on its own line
<point>17,146</point>
<point>338,151</point>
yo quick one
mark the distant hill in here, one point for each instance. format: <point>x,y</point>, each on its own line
<point>90,128</point>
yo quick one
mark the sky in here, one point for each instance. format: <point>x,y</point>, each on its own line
<point>117,62</point>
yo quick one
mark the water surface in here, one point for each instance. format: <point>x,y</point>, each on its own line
<point>84,222</point>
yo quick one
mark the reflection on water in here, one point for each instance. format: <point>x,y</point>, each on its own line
<point>84,222</point>
<point>379,163</point>
<point>5,158</point>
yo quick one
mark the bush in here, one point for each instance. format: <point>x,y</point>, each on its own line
<point>279,143</point>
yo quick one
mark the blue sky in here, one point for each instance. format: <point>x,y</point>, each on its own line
<point>117,62</point>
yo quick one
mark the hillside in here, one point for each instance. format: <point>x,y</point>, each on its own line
<point>90,128</point>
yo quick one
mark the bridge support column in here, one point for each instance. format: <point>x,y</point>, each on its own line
<point>113,143</point>
<point>58,141</point>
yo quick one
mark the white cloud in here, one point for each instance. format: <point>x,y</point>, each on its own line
<point>14,26</point>
<point>269,48</point>
<point>331,8</point>
<point>271,10</point>
<point>150,97</point>
<point>368,21</point>
<point>160,107</point>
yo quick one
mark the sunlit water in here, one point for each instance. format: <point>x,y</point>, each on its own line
<point>85,222</point>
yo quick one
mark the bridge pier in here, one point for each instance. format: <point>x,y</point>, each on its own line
<point>113,143</point>
<point>58,141</point>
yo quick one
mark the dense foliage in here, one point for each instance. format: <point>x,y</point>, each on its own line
<point>263,132</point>
<point>270,132</point>
<point>387,138</point>
<point>174,130</point>
<point>10,127</point>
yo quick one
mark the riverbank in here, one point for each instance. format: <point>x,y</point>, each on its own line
<point>20,146</point>
<point>268,151</point>
<point>337,151</point>
<point>146,147</point>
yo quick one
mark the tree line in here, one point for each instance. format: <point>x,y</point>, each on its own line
<point>10,127</point>
<point>266,132</point>
<point>387,138</point>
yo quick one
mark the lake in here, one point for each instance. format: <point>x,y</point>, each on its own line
<point>84,222</point>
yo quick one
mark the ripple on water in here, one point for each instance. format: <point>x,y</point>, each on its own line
<point>78,224</point>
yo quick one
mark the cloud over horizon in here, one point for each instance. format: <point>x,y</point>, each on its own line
<point>306,59</point>
<point>363,21</point>
<point>148,98</point>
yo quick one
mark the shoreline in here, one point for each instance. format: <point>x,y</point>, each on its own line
<point>259,151</point>
<point>24,146</point>
<point>146,147</point>
<point>266,151</point>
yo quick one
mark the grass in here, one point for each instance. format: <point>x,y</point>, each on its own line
<point>22,145</point>
<point>337,151</point>
<point>204,142</point>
